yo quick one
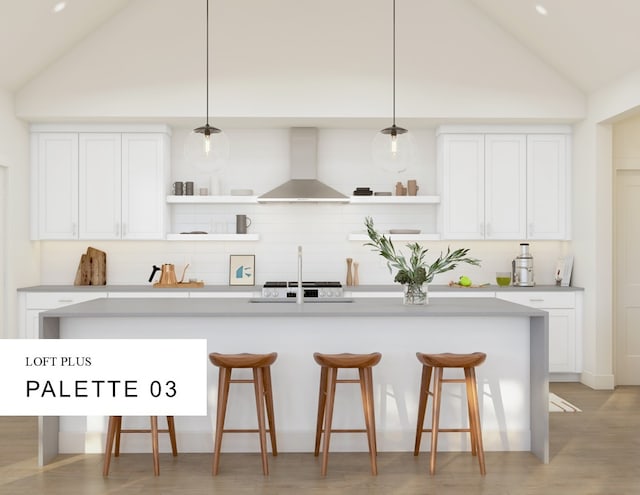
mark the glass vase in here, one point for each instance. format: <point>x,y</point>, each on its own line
<point>415,294</point>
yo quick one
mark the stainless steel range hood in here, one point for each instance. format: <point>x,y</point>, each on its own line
<point>304,185</point>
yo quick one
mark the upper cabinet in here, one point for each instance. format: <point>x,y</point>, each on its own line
<point>54,185</point>
<point>548,186</point>
<point>99,185</point>
<point>145,178</point>
<point>507,183</point>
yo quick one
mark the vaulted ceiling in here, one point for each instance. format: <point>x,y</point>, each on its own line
<point>590,42</point>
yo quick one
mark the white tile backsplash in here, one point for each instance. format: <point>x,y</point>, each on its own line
<point>259,161</point>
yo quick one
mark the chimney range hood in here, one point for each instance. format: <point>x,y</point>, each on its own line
<point>303,185</point>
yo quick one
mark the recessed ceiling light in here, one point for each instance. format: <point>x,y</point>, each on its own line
<point>59,7</point>
<point>540,9</point>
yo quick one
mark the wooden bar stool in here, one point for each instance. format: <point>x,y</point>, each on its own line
<point>115,429</point>
<point>260,363</point>
<point>437,363</point>
<point>330,364</point>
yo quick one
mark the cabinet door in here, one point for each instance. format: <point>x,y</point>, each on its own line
<point>548,182</point>
<point>100,185</point>
<point>144,184</point>
<point>462,157</point>
<point>56,167</point>
<point>562,340</point>
<point>505,182</point>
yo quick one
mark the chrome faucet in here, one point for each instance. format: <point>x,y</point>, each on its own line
<point>300,293</point>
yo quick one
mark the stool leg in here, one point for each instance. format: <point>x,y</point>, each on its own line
<point>111,432</point>
<point>322,401</point>
<point>258,383</point>
<point>172,435</point>
<point>223,394</point>
<point>437,392</point>
<point>476,430</point>
<point>117,434</point>
<point>425,383</point>
<point>268,394</point>
<point>472,429</point>
<point>332,374</point>
<point>154,445</point>
<point>366,386</point>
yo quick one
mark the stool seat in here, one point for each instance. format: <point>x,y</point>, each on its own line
<point>243,360</point>
<point>330,363</point>
<point>449,360</point>
<point>347,360</point>
<point>260,366</point>
<point>435,364</point>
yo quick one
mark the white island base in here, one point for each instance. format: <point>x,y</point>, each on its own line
<point>513,382</point>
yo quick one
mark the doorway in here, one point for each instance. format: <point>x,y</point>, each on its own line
<point>4,283</point>
<point>627,277</point>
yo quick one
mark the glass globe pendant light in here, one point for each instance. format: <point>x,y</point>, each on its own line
<point>207,147</point>
<point>392,146</point>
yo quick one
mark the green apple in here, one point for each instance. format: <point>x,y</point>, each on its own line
<point>465,281</point>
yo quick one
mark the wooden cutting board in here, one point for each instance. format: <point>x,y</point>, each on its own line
<point>92,269</point>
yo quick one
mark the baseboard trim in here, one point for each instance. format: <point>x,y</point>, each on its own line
<point>597,382</point>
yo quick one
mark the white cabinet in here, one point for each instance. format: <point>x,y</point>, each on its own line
<point>565,347</point>
<point>548,191</point>
<point>54,187</point>
<point>461,158</point>
<point>504,184</point>
<point>31,304</point>
<point>484,185</point>
<point>145,159</point>
<point>99,185</point>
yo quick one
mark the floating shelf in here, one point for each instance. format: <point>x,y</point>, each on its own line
<point>398,237</point>
<point>213,237</point>
<point>399,200</point>
<point>212,199</point>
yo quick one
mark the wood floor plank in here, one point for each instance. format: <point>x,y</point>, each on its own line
<point>592,452</point>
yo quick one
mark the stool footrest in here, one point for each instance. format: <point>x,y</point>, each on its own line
<point>244,431</point>
<point>142,431</point>
<point>449,430</point>
<point>346,430</point>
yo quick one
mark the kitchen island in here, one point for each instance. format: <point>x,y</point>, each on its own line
<point>513,381</point>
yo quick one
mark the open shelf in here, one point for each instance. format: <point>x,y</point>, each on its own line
<point>398,237</point>
<point>398,200</point>
<point>213,237</point>
<point>212,199</point>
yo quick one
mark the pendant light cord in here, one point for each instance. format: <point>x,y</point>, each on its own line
<point>207,64</point>
<point>394,63</point>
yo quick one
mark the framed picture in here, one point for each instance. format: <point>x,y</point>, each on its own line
<point>242,269</point>
<point>564,268</point>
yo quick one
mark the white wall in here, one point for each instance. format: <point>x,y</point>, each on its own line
<point>297,59</point>
<point>259,161</point>
<point>22,267</point>
<point>593,220</point>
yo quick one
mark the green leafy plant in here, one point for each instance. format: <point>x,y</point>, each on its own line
<point>415,270</point>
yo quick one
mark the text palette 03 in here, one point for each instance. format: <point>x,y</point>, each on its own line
<point>115,377</point>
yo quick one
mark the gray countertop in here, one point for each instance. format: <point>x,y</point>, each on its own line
<point>390,307</point>
<point>258,288</point>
